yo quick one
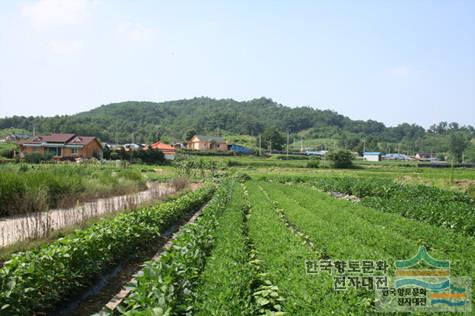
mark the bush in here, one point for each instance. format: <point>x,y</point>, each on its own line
<point>313,164</point>
<point>341,158</point>
<point>37,157</point>
<point>150,156</point>
<point>241,177</point>
<point>292,157</point>
<point>7,153</point>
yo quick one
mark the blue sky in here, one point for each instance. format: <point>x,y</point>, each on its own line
<point>392,61</point>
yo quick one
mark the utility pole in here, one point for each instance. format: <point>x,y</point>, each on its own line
<point>364,146</point>
<point>287,145</point>
<point>34,130</point>
<point>270,147</point>
<point>260,145</point>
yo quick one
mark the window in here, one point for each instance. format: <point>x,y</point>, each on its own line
<point>74,151</point>
<point>56,151</point>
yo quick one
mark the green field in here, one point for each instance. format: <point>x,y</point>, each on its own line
<point>261,227</point>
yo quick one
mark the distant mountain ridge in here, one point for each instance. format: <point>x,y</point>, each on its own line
<point>145,121</point>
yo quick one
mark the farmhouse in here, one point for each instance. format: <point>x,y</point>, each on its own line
<point>62,146</point>
<point>372,156</point>
<point>168,151</point>
<point>211,143</point>
<point>424,156</point>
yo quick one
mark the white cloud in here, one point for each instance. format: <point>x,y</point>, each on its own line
<point>133,31</point>
<point>56,12</point>
<point>64,47</point>
<point>400,71</point>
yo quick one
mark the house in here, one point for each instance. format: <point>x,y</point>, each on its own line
<point>396,157</point>
<point>372,156</point>
<point>16,137</point>
<point>424,156</point>
<point>132,147</point>
<point>168,151</point>
<point>62,146</point>
<point>320,153</point>
<point>207,143</point>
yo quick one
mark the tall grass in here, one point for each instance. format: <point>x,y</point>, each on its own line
<point>28,189</point>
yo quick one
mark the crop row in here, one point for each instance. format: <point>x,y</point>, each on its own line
<point>226,283</point>
<point>291,226</point>
<point>350,231</point>
<point>36,280</point>
<point>432,205</point>
<point>168,286</point>
<point>283,258</point>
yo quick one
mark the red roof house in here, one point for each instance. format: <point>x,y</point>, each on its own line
<point>168,151</point>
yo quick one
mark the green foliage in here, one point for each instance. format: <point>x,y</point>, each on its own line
<point>168,286</point>
<point>341,158</point>
<point>432,205</point>
<point>205,115</point>
<point>225,285</point>
<point>281,255</point>
<point>457,145</point>
<point>366,233</point>
<point>271,137</point>
<point>150,156</point>
<point>313,164</point>
<point>37,157</point>
<point>38,188</point>
<point>58,270</point>
<point>195,167</point>
<point>241,177</point>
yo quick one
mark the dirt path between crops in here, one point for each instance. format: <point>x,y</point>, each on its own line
<point>41,224</point>
<point>109,290</point>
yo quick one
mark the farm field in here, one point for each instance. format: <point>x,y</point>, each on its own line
<point>249,250</point>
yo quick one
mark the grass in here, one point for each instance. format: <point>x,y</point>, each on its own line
<point>283,255</point>
<point>32,188</point>
<point>8,251</point>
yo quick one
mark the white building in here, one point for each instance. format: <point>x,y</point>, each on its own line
<point>372,156</point>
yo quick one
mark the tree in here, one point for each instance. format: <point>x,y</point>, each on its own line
<point>273,137</point>
<point>341,158</point>
<point>189,134</point>
<point>458,142</point>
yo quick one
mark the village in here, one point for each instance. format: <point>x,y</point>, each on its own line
<point>72,147</point>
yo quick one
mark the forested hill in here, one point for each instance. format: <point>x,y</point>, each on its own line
<point>172,119</point>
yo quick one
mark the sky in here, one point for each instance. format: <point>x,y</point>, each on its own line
<point>392,61</point>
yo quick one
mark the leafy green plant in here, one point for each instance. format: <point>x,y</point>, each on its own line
<point>36,280</point>
<point>168,286</point>
<point>341,158</point>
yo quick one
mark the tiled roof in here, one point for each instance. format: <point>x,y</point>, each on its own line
<point>163,147</point>
<point>67,139</point>
<point>211,138</point>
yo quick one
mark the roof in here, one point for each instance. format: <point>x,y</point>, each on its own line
<point>66,139</point>
<point>56,138</point>
<point>210,138</point>
<point>163,147</point>
<point>372,153</point>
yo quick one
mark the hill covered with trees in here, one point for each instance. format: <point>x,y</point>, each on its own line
<point>175,120</point>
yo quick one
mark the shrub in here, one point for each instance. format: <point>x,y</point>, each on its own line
<point>313,164</point>
<point>341,158</point>
<point>241,177</point>
<point>37,157</point>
